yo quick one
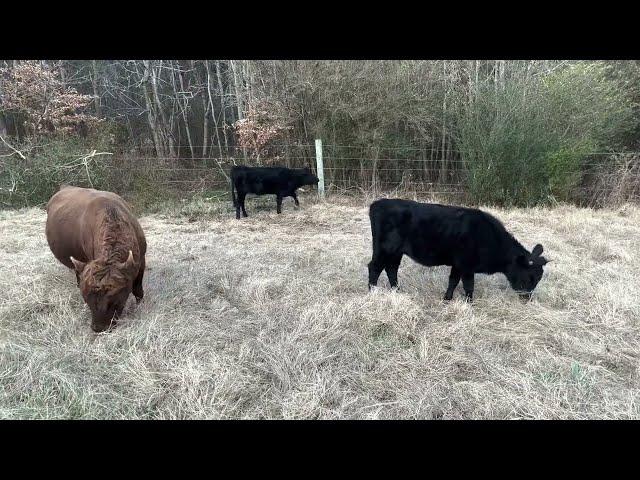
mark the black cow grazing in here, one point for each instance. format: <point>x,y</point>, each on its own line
<point>467,239</point>
<point>279,181</point>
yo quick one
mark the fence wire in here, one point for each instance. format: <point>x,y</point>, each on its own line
<point>351,168</point>
<point>354,168</point>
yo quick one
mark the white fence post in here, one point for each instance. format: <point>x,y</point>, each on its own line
<point>320,167</point>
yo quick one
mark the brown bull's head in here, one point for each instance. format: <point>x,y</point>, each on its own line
<point>105,288</point>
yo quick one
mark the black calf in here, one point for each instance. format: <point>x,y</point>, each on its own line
<point>279,181</point>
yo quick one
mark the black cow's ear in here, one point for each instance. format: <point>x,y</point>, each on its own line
<point>537,251</point>
<point>540,261</point>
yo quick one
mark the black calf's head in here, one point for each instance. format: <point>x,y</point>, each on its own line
<point>307,178</point>
<point>525,271</point>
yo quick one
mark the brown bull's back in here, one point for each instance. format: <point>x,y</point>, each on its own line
<point>75,217</point>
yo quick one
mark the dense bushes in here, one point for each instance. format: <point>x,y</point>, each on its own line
<point>32,178</point>
<point>524,141</point>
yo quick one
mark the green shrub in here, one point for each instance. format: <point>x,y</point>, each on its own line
<point>32,180</point>
<point>564,170</point>
<point>523,142</point>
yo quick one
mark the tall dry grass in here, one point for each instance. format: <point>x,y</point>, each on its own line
<point>269,317</point>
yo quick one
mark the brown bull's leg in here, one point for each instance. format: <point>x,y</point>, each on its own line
<point>137,291</point>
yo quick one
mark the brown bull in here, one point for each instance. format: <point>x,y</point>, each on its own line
<point>95,233</point>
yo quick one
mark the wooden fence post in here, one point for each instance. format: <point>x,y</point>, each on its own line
<point>320,167</point>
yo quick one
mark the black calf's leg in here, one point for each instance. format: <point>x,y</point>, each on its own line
<point>454,279</point>
<point>295,199</point>
<point>467,283</point>
<point>391,267</point>
<point>279,203</point>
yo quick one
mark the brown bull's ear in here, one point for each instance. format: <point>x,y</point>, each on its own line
<point>78,265</point>
<point>128,263</point>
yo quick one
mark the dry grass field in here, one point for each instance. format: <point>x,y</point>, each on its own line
<point>270,317</point>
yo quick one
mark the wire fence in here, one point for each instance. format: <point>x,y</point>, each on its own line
<point>425,170</point>
<point>355,168</point>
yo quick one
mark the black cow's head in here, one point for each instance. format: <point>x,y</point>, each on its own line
<point>525,271</point>
<point>307,177</point>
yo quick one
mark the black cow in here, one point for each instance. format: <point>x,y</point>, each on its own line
<point>279,181</point>
<point>467,239</point>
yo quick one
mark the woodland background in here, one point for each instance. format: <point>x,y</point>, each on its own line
<point>497,132</point>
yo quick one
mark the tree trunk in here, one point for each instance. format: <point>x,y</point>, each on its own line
<point>443,166</point>
<point>166,128</point>
<point>238,91</point>
<point>185,107</point>
<point>205,108</point>
<point>63,74</point>
<point>223,104</point>
<point>96,94</point>
<point>476,82</point>
<point>3,126</point>
<point>151,116</point>
<point>213,111</point>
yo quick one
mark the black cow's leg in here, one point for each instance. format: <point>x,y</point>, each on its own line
<point>241,197</point>
<point>467,283</point>
<point>454,279</point>
<point>376,266</point>
<point>391,267</point>
<point>295,199</point>
<point>279,203</point>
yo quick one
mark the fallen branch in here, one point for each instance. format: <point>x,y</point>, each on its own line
<point>14,149</point>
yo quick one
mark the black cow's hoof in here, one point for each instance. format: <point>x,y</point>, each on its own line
<point>447,298</point>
